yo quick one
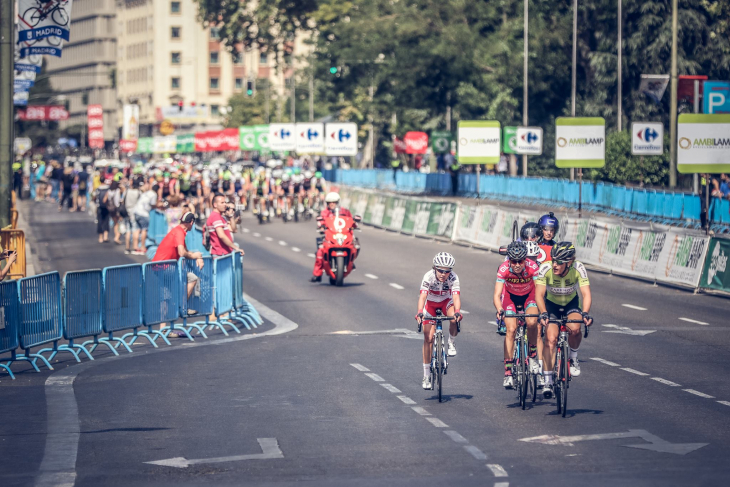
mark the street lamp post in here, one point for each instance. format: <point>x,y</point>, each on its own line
<point>620,49</point>
<point>525,116</point>
<point>575,61</point>
<point>673,107</point>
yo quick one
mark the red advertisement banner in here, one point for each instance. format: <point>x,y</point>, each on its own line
<point>43,112</point>
<point>416,142</point>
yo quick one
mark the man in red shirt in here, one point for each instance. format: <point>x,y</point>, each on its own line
<point>333,201</point>
<point>221,238</point>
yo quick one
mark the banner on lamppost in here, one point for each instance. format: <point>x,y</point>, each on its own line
<point>43,26</point>
<point>130,124</point>
<point>95,117</point>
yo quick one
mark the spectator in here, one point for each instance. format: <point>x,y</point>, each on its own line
<point>82,180</point>
<point>112,202</point>
<point>9,256</point>
<point>141,215</point>
<point>102,212</point>
<point>131,197</point>
<point>725,185</point>
<point>56,176</point>
<point>66,188</point>
<point>454,168</point>
<point>221,238</point>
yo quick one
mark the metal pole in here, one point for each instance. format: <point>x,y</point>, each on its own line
<point>7,56</point>
<point>525,116</point>
<point>268,100</point>
<point>575,62</point>
<point>695,176</point>
<point>479,167</point>
<point>580,192</point>
<point>620,49</point>
<point>293,98</point>
<point>372,124</point>
<point>311,98</point>
<point>673,107</point>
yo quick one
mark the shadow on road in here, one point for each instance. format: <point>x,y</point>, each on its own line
<point>449,397</point>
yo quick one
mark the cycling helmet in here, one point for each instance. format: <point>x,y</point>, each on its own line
<point>517,250</point>
<point>530,230</point>
<point>549,220</point>
<point>332,198</point>
<point>444,259</point>
<point>285,176</point>
<point>563,251</point>
<point>533,250</point>
<point>308,174</point>
<point>276,173</point>
<point>318,174</point>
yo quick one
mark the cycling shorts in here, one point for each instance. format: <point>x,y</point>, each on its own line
<point>431,307</point>
<point>559,311</point>
<point>510,302</point>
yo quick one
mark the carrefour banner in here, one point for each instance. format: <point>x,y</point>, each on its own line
<point>580,142</point>
<point>703,143</point>
<point>43,25</point>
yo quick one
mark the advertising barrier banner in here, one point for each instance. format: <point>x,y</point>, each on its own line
<point>715,274</point>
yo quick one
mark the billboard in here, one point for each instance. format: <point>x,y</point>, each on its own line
<point>580,142</point>
<point>703,143</point>
<point>310,138</point>
<point>282,137</point>
<point>341,139</point>
<point>528,141</point>
<point>717,97</point>
<point>479,142</point>
<point>647,138</point>
<point>130,122</point>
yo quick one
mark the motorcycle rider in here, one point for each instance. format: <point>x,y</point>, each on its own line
<point>333,202</point>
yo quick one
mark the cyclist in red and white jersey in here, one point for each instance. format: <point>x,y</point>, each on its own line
<point>515,288</point>
<point>440,289</point>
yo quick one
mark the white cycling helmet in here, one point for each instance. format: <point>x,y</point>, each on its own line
<point>332,198</point>
<point>285,176</point>
<point>444,259</point>
<point>276,173</point>
<point>533,250</point>
<point>308,174</point>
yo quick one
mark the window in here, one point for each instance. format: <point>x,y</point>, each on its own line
<point>214,109</point>
<point>175,58</point>
<point>263,58</point>
<point>215,33</point>
<point>175,82</point>
<point>214,57</point>
<point>239,84</point>
<point>174,7</point>
<point>214,84</point>
<point>175,32</point>
<point>237,57</point>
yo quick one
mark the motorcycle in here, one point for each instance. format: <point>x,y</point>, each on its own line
<point>339,245</point>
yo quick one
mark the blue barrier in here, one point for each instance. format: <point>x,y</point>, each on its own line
<point>200,302</point>
<point>158,227</point>
<point>241,308</point>
<point>40,315</point>
<point>161,303</point>
<point>194,242</point>
<point>9,304</point>
<point>122,305</point>
<point>82,292</point>
<point>223,274</point>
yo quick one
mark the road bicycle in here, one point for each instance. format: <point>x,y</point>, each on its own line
<point>562,363</point>
<point>439,360</point>
<point>35,15</point>
<point>525,380</point>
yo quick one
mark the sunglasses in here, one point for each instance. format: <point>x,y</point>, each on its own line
<point>517,262</point>
<point>442,271</point>
<point>560,262</point>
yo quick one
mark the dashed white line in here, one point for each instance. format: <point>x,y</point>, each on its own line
<point>246,230</point>
<point>371,276</point>
<point>282,243</point>
<point>698,393</point>
<point>633,306</point>
<point>665,381</point>
<point>406,400</point>
<point>607,362</point>
<point>296,249</point>
<point>694,321</point>
<point>456,436</point>
<point>311,255</point>
<point>464,312</point>
<point>497,470</point>
<point>492,322</point>
<point>361,368</point>
<point>475,452</point>
<point>256,234</point>
<point>726,403</point>
<point>633,371</point>
<point>375,377</point>
<point>268,239</point>
<point>397,286</point>
<point>391,388</point>
<point>437,422</point>
<point>501,484</point>
<point>421,411</point>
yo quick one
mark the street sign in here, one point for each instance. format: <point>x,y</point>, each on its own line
<point>717,97</point>
<point>416,142</point>
<point>647,138</point>
<point>528,141</point>
<point>509,140</point>
<point>341,139</point>
<point>703,143</point>
<point>479,142</point>
<point>580,142</point>
<point>282,137</point>
<point>440,141</point>
<point>310,138</point>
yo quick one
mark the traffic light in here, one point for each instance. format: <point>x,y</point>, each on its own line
<point>180,105</point>
<point>249,88</point>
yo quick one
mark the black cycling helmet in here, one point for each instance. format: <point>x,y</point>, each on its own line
<point>549,220</point>
<point>530,230</point>
<point>517,250</point>
<point>563,251</point>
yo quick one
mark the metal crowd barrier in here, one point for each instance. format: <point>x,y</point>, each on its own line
<point>82,292</point>
<point>223,274</point>
<point>161,298</point>
<point>40,317</point>
<point>200,303</point>
<point>9,306</point>
<point>241,308</point>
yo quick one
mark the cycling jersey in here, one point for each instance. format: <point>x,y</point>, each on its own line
<point>438,291</point>
<point>319,184</point>
<point>519,284</point>
<point>561,290</point>
<point>307,184</point>
<point>546,251</point>
<point>285,186</point>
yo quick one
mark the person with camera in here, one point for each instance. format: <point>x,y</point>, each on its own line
<point>9,256</point>
<point>218,227</point>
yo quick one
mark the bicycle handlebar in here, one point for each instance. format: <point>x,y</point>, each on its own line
<point>558,322</point>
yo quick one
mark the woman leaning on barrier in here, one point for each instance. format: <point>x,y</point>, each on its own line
<point>9,257</point>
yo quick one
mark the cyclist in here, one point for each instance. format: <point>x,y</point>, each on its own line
<point>549,226</point>
<point>515,288</point>
<point>440,289</point>
<point>286,191</point>
<point>333,202</point>
<point>557,285</point>
<point>260,186</point>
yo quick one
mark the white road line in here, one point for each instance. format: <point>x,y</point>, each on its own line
<point>256,234</point>
<point>268,239</point>
<point>492,322</point>
<point>698,393</point>
<point>361,368</point>
<point>406,400</point>
<point>603,361</point>
<point>665,381</point>
<point>633,371</point>
<point>311,255</point>
<point>456,436</point>
<point>421,411</point>
<point>475,452</point>
<point>246,230</point>
<point>397,286</point>
<point>371,276</point>
<point>464,312</point>
<point>694,321</point>
<point>391,388</point>
<point>437,422</point>
<point>497,470</point>
<point>296,249</point>
<point>632,306</point>
<point>501,484</point>
<point>726,403</point>
<point>375,377</point>
<point>282,243</point>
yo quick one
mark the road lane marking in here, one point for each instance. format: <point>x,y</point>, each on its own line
<point>391,388</point>
<point>492,322</point>
<point>406,400</point>
<point>665,381</point>
<point>607,362</point>
<point>397,286</point>
<point>497,470</point>
<point>726,403</point>
<point>625,330</point>
<point>268,239</point>
<point>361,368</point>
<point>421,411</point>
<point>246,230</point>
<point>475,452</point>
<point>501,484</point>
<point>456,436</point>
<point>311,255</point>
<point>694,321</point>
<point>256,234</point>
<point>296,249</point>
<point>698,393</point>
<point>633,371</point>
<point>269,450</point>
<point>371,276</point>
<point>282,243</point>
<point>437,422</point>
<point>375,377</point>
<point>464,312</point>
<point>632,306</point>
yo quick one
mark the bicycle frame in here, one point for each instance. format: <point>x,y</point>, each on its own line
<point>439,360</point>
<point>520,371</point>
<point>561,365</point>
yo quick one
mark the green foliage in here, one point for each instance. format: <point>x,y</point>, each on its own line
<point>623,168</point>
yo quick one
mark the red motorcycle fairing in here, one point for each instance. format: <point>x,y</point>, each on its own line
<point>338,247</point>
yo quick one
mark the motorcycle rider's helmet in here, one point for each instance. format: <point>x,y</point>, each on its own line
<point>444,259</point>
<point>332,198</point>
<point>549,220</point>
<point>530,230</point>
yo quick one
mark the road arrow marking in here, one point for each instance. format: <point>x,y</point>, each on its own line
<point>625,330</point>
<point>269,448</point>
<point>654,442</point>
<point>397,331</point>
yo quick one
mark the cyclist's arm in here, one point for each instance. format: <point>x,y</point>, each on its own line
<point>540,297</point>
<point>422,301</point>
<point>585,292</point>
<point>498,289</point>
<point>457,302</point>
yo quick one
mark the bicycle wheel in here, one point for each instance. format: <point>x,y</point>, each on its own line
<point>533,386</point>
<point>566,376</point>
<point>523,373</point>
<point>558,382</point>
<point>440,363</point>
<point>32,16</point>
<point>60,17</point>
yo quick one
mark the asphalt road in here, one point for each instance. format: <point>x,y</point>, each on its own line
<point>348,408</point>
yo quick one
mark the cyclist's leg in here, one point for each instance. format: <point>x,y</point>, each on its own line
<point>531,309</point>
<point>511,324</point>
<point>450,311</point>
<point>551,338</point>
